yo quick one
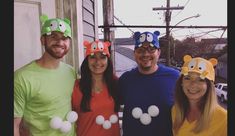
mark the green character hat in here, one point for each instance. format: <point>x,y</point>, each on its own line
<point>55,24</point>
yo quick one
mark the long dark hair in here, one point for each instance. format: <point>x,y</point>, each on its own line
<point>85,85</point>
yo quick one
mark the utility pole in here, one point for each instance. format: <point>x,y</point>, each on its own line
<point>168,19</point>
<point>108,17</point>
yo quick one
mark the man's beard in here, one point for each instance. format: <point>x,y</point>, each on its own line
<point>54,54</point>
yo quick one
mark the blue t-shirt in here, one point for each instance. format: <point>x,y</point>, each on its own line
<point>139,90</point>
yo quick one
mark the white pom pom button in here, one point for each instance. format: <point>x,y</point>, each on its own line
<point>107,124</point>
<point>72,116</point>
<point>56,122</point>
<point>113,118</point>
<point>153,111</point>
<point>145,119</point>
<point>66,127</point>
<point>99,120</point>
<point>137,112</point>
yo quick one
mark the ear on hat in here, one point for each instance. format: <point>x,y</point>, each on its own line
<point>213,61</point>
<point>136,34</point>
<point>67,20</point>
<point>86,43</point>
<point>43,18</point>
<point>107,43</point>
<point>187,58</point>
<point>97,40</point>
<point>157,33</point>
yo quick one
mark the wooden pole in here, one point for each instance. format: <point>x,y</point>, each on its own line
<point>108,19</point>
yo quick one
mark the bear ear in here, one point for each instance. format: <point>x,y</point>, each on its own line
<point>107,43</point>
<point>157,33</point>
<point>86,43</point>
<point>187,58</point>
<point>67,20</point>
<point>43,18</point>
<point>213,61</point>
<point>136,34</point>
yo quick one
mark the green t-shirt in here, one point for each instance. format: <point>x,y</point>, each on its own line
<point>40,94</point>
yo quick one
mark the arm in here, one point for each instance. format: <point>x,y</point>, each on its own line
<point>20,93</point>
<point>17,122</point>
<point>19,127</point>
<point>76,97</point>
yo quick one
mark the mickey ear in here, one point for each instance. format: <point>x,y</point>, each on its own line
<point>187,58</point>
<point>86,43</point>
<point>67,20</point>
<point>213,61</point>
<point>43,18</point>
<point>157,33</point>
<point>107,43</point>
<point>136,34</point>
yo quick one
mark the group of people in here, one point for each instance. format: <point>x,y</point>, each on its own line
<point>51,100</point>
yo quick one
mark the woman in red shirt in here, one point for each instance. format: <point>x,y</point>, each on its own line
<point>94,96</point>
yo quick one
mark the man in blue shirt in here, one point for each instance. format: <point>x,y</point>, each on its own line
<point>147,90</point>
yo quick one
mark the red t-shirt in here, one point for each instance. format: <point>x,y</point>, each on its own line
<point>101,104</point>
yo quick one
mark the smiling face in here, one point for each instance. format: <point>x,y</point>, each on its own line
<point>97,63</point>
<point>146,57</point>
<point>56,44</point>
<point>194,87</point>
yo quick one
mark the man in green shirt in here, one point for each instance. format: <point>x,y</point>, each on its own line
<point>43,88</point>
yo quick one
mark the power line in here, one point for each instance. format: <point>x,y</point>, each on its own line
<point>203,32</point>
<point>123,23</point>
<point>206,33</point>
<point>157,26</point>
<point>181,10</point>
<point>209,33</point>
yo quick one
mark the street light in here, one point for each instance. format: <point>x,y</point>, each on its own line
<point>195,16</point>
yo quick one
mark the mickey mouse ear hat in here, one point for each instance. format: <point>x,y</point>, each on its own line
<point>97,46</point>
<point>146,37</point>
<point>55,24</point>
<point>199,65</point>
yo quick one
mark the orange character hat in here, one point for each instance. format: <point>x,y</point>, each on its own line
<point>199,65</point>
<point>97,46</point>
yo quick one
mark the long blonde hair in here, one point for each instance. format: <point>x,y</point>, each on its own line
<point>206,106</point>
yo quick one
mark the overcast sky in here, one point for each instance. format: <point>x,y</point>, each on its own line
<point>139,12</point>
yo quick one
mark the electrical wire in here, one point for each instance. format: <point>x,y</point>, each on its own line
<point>181,10</point>
<point>203,33</point>
<point>119,20</point>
